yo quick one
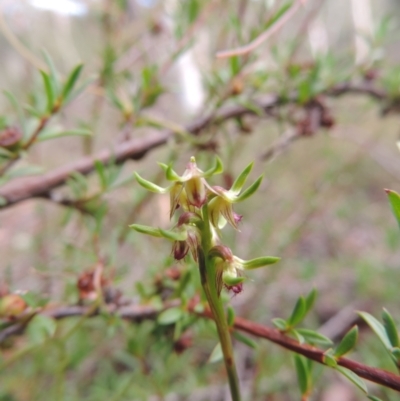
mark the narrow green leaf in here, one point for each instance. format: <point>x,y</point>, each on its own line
<point>250,190</point>
<point>101,173</point>
<point>395,351</point>
<point>32,111</point>
<point>218,168</point>
<point>280,323</point>
<point>241,179</point>
<point>52,73</point>
<point>298,313</point>
<point>169,316</point>
<point>377,327</point>
<point>88,81</point>
<point>230,316</point>
<point>373,398</point>
<point>303,375</point>
<point>49,91</point>
<point>355,379</point>
<point>312,337</point>
<point>216,354</point>
<point>390,328</point>
<point>259,262</point>
<point>310,299</point>
<point>155,232</point>
<point>17,107</point>
<point>245,340</point>
<point>149,185</point>
<point>394,199</point>
<point>297,335</point>
<point>173,235</point>
<point>71,81</point>
<point>235,65</point>
<point>46,135</point>
<point>348,342</point>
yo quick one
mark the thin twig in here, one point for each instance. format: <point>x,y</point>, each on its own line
<point>271,30</point>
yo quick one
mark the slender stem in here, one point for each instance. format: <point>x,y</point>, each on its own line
<point>209,283</point>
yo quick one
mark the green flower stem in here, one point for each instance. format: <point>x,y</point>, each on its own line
<point>208,276</point>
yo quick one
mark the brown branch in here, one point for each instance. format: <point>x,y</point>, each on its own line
<point>41,186</point>
<point>137,313</point>
<point>240,51</point>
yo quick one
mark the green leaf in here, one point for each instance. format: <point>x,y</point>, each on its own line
<point>377,327</point>
<point>241,179</point>
<point>329,360</point>
<point>230,316</point>
<point>280,324</point>
<point>259,262</point>
<point>46,135</point>
<point>174,235</point>
<point>245,340</point>
<point>394,199</point>
<point>310,299</point>
<point>348,342</point>
<point>395,351</point>
<point>216,354</point>
<point>52,73</point>
<point>390,328</point>
<point>298,313</point>
<point>71,81</point>
<point>303,374</point>
<point>373,398</point>
<point>218,168</point>
<point>297,335</point>
<point>17,107</point>
<point>169,316</point>
<point>312,337</point>
<point>250,190</point>
<point>149,185</point>
<point>353,378</point>
<point>41,328</point>
<point>102,174</point>
<point>49,90</point>
<point>155,232</point>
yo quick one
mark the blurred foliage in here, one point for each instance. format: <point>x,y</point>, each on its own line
<point>126,70</point>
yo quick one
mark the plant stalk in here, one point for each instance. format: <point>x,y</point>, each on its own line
<point>208,276</point>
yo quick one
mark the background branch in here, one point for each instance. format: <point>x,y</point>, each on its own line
<point>41,186</point>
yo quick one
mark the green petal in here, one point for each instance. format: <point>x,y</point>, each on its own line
<point>241,179</point>
<point>149,185</point>
<point>250,190</point>
<point>259,262</point>
<point>155,232</point>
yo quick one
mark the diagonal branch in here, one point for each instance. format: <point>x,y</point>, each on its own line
<point>41,186</point>
<point>137,313</point>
